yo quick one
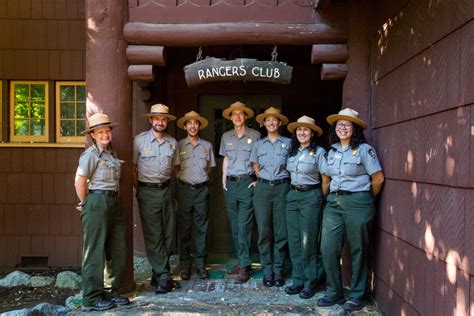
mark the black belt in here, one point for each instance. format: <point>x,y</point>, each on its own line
<point>241,177</point>
<point>274,182</point>
<point>160,185</point>
<point>304,187</point>
<point>342,192</point>
<point>105,192</point>
<point>193,186</point>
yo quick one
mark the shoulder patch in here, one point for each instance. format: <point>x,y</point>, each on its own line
<point>372,153</point>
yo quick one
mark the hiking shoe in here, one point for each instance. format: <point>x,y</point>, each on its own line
<point>202,273</point>
<point>185,274</point>
<point>103,305</point>
<point>354,305</point>
<point>243,276</point>
<point>120,300</point>
<point>165,286</point>
<point>306,293</point>
<point>293,289</point>
<point>268,280</point>
<point>279,280</point>
<point>326,301</point>
<point>234,270</point>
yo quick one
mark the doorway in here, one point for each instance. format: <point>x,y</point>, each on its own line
<point>211,107</point>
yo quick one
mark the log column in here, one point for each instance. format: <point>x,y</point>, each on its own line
<point>109,90</point>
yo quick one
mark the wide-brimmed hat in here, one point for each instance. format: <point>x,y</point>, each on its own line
<point>160,110</point>
<point>98,120</point>
<point>192,116</point>
<point>271,111</point>
<point>237,106</point>
<point>305,121</point>
<point>347,114</point>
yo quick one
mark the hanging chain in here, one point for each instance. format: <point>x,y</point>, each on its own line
<point>199,54</point>
<point>274,53</point>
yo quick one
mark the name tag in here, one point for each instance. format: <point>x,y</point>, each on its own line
<point>146,149</point>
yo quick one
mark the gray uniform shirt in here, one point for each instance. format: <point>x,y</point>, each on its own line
<point>101,168</point>
<point>271,157</point>
<point>238,150</point>
<point>306,166</point>
<point>194,160</point>
<point>154,158</point>
<point>350,169</point>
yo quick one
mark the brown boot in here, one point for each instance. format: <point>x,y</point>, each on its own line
<point>185,274</point>
<point>243,276</point>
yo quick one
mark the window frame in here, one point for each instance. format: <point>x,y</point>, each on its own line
<point>65,139</point>
<point>30,138</point>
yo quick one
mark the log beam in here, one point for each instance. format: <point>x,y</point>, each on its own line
<point>141,73</point>
<point>329,53</point>
<point>193,35</point>
<point>144,55</point>
<point>333,71</point>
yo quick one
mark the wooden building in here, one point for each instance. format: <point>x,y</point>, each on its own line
<point>407,66</point>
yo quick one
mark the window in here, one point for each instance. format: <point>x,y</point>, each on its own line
<point>70,111</point>
<point>29,111</point>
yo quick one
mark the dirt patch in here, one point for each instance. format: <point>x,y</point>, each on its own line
<point>25,296</point>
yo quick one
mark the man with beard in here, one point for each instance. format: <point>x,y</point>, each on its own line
<point>196,158</point>
<point>154,153</point>
<point>238,179</point>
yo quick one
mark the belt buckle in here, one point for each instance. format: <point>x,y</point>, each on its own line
<point>298,188</point>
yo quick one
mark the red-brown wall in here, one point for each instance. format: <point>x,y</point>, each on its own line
<point>422,118</point>
<point>39,40</point>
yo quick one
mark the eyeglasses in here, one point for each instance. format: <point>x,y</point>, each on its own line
<point>109,131</point>
<point>342,125</point>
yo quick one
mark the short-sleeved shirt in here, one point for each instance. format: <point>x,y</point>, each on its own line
<point>194,160</point>
<point>271,157</point>
<point>350,169</point>
<point>238,150</point>
<point>154,158</point>
<point>101,168</point>
<point>306,166</point>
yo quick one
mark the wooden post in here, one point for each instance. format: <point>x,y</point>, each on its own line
<point>141,73</point>
<point>142,54</point>
<point>245,33</point>
<point>333,71</point>
<point>329,53</point>
<point>109,90</point>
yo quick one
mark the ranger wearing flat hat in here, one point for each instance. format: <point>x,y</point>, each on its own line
<point>269,157</point>
<point>97,187</point>
<point>196,158</point>
<point>309,185</point>
<point>356,177</point>
<point>237,177</point>
<point>154,154</point>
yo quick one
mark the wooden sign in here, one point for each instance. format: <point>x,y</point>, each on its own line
<point>241,69</point>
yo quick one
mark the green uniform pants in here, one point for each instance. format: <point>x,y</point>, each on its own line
<point>350,215</point>
<point>156,214</point>
<point>238,199</point>
<point>270,204</point>
<point>192,215</point>
<point>103,226</point>
<point>303,217</point>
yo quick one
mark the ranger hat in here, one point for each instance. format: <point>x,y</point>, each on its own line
<point>305,121</point>
<point>347,114</point>
<point>271,111</point>
<point>98,120</point>
<point>237,106</point>
<point>192,116</point>
<point>160,110</point>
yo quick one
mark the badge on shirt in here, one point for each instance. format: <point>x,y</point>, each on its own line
<point>182,153</point>
<point>372,153</point>
<point>354,152</point>
<point>249,141</point>
<point>171,146</point>
<point>229,144</point>
<point>204,150</point>
<point>283,145</point>
<point>146,149</point>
